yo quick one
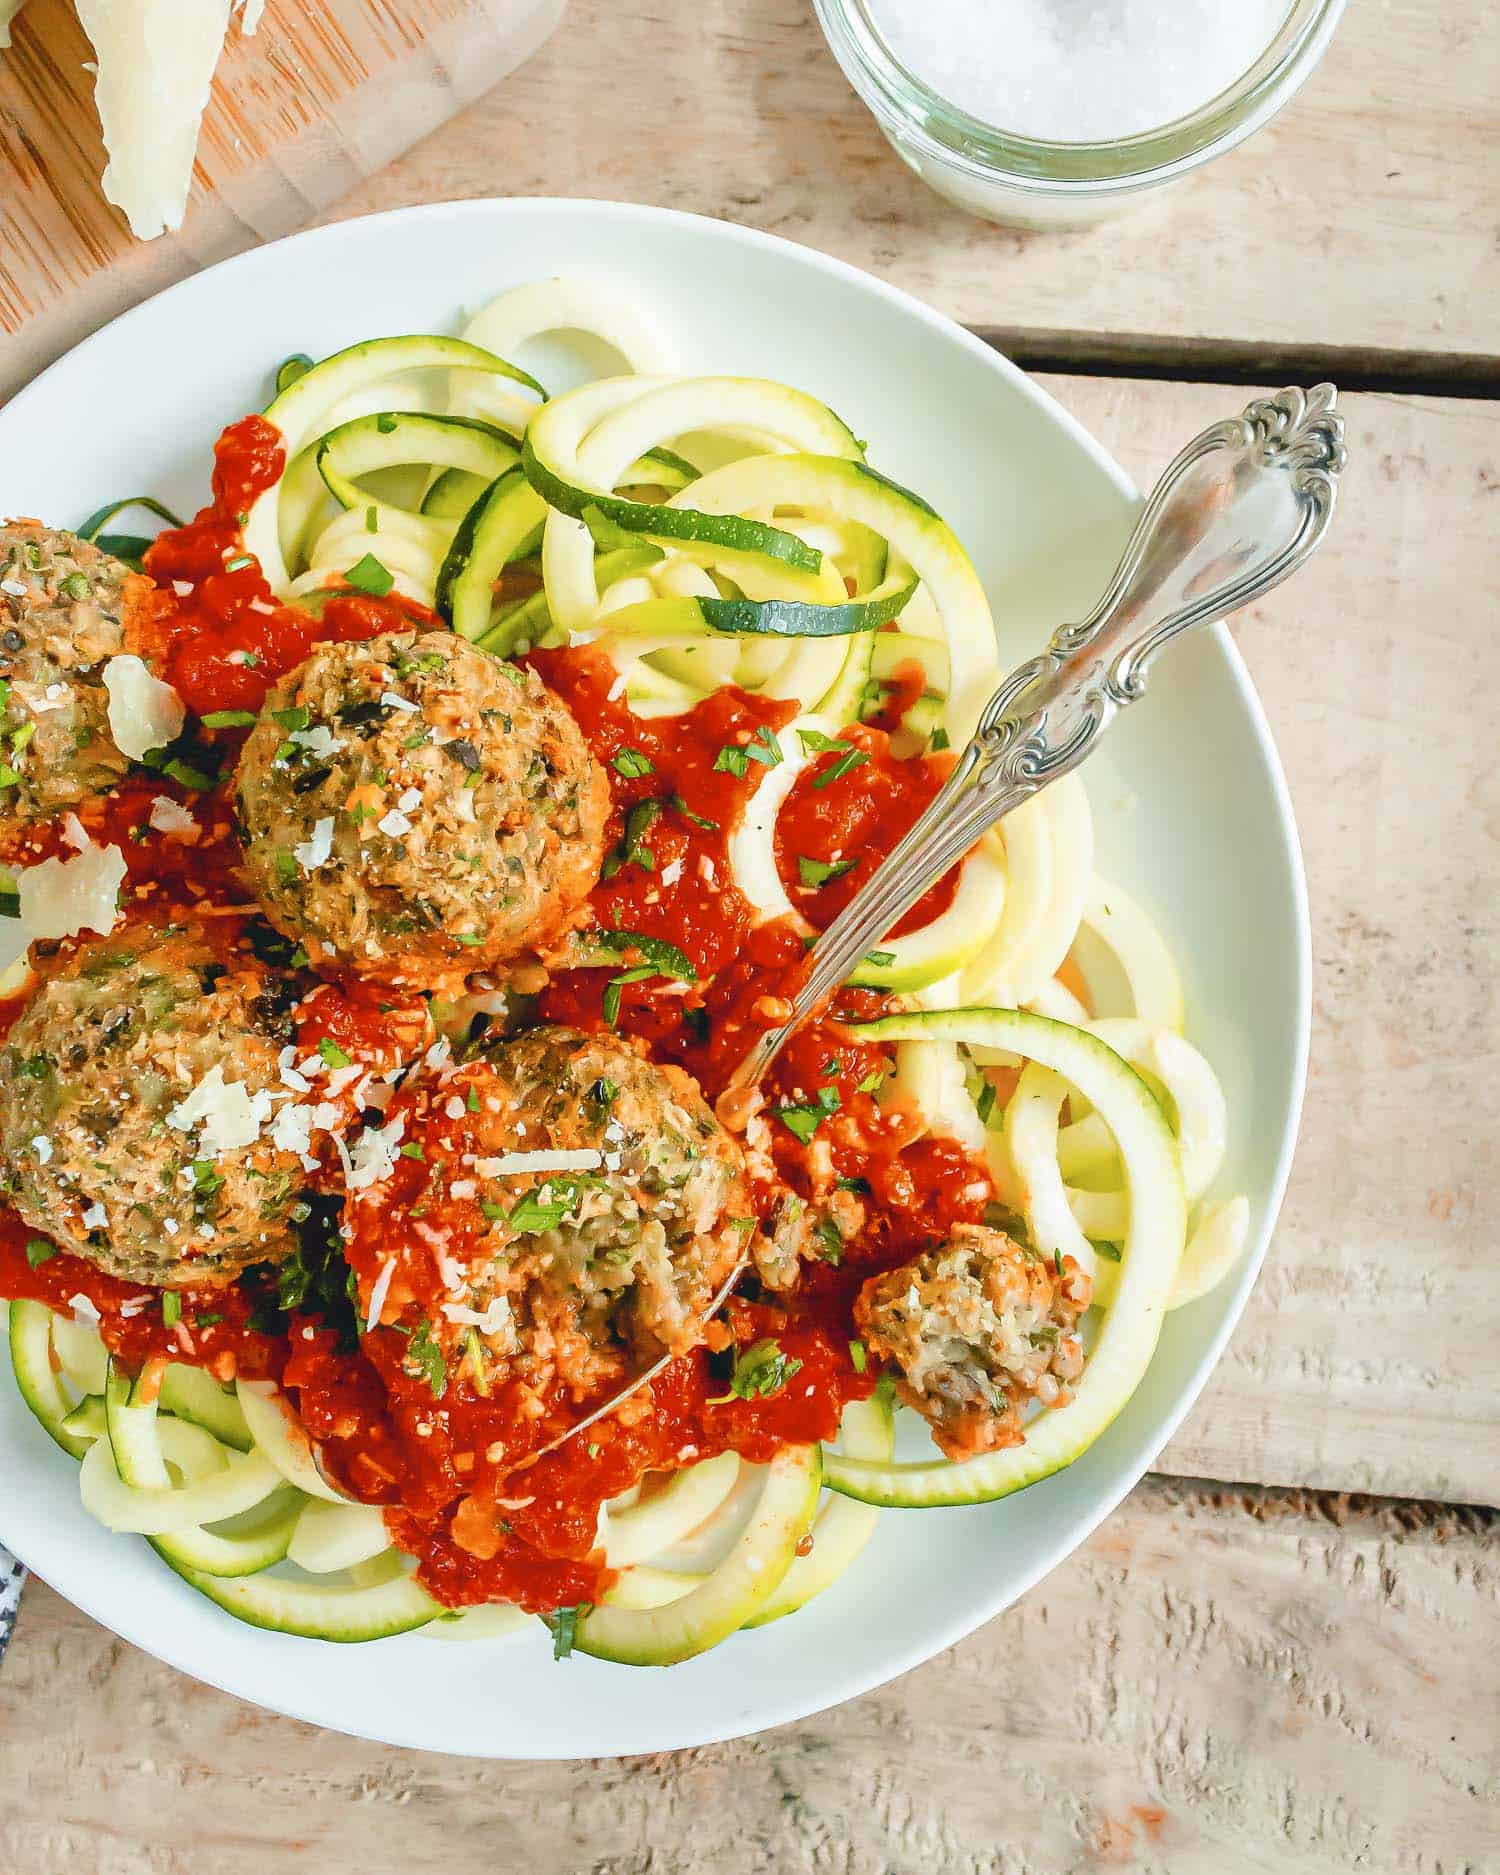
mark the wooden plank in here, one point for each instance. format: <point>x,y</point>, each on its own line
<point>1360,1362</point>
<point>1363,216</point>
<point>319,97</point>
<point>1268,1684</point>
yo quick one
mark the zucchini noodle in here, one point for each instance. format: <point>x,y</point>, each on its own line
<point>702,531</point>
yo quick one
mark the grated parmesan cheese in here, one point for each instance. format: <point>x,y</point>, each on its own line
<point>169,816</point>
<point>227,1115</point>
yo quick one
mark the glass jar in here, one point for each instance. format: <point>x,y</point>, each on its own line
<point>1030,183</point>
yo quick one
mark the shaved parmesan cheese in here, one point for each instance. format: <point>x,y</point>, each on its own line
<point>144,713</point>
<point>83,1309</point>
<point>156,61</point>
<point>394,824</point>
<point>411,799</point>
<point>319,740</point>
<point>229,1116</point>
<point>584,1159</point>
<point>379,1292</point>
<point>62,897</point>
<point>42,1147</point>
<point>393,701</point>
<point>310,854</point>
<point>169,816</point>
<point>74,835</point>
<point>96,1218</point>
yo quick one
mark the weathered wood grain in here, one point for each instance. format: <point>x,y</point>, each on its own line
<point>1221,1681</point>
<point>1362,1360</point>
<point>319,97</point>
<point>1363,216</point>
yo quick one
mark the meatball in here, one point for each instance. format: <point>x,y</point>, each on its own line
<point>978,1327</point>
<point>64,612</point>
<point>136,1088</point>
<point>566,1200</point>
<point>414,809</point>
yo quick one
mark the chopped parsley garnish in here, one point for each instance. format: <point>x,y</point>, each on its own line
<point>22,736</point>
<point>207,1321</point>
<point>764,748</point>
<point>668,959</point>
<point>75,586</point>
<point>881,959</point>
<point>297,717</point>
<point>1111,1251</point>
<point>1057,1262</point>
<point>853,1184</point>
<point>8,779</point>
<point>189,776</point>
<point>802,1119</point>
<point>604,1092</point>
<point>562,1623</point>
<point>332,1055</point>
<point>286,868</point>
<point>228,719</point>
<point>535,1213</point>
<point>816,743</point>
<point>39,1251</point>
<point>385,422</point>
<point>468,937</point>
<point>832,1240</point>
<point>873,1081</point>
<point>413,1149</point>
<point>633,849</point>
<point>732,760</point>
<point>428,1356</point>
<point>494,1212</point>
<point>471,1099</point>
<point>816,872</point>
<point>759,1372</point>
<point>315,1279</point>
<point>858,1358</point>
<point>611,1001</point>
<point>239,563</point>
<point>372,524</point>
<point>985,1104</point>
<point>698,820</point>
<point>368,575</point>
<point>938,740</point>
<point>171,1307</point>
<point>855,758</point>
<point>632,764</point>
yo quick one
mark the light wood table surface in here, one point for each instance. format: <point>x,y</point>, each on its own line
<point>1246,1669</point>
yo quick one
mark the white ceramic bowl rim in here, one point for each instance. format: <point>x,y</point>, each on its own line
<point>300,1693</point>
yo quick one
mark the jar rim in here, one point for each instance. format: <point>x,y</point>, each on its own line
<point>910,109</point>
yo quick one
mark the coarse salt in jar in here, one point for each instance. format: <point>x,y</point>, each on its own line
<point>1047,113</point>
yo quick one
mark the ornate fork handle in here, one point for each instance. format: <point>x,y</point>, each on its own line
<point>1237,511</point>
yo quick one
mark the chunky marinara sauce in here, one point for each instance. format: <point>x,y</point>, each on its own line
<point>390,1437</point>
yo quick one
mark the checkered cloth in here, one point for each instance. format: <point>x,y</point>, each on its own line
<point>12,1581</point>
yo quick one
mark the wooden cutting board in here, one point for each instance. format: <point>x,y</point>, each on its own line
<point>325,93</point>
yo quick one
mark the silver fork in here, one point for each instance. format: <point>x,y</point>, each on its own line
<point>1236,512</point>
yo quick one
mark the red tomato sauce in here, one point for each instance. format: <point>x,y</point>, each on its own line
<point>217,633</point>
<point>679,786</point>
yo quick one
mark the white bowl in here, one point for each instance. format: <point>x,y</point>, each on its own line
<point>1192,813</point>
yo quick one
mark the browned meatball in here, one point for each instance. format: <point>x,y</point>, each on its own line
<point>414,809</point>
<point>978,1328</point>
<point>64,612</point>
<point>137,1093</point>
<point>581,1203</point>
